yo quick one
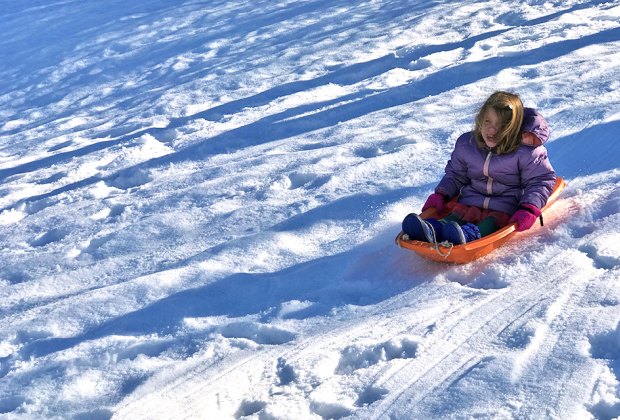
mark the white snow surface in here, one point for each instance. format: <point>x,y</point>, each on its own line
<point>199,199</point>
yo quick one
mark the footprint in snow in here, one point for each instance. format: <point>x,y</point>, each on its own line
<point>359,357</point>
<point>368,152</point>
<point>46,238</point>
<point>51,179</point>
<point>11,403</point>
<point>150,348</point>
<point>606,347</point>
<point>258,333</point>
<point>420,64</point>
<point>298,180</point>
<point>520,337</point>
<point>604,251</point>
<point>369,395</point>
<point>129,179</point>
<point>111,213</point>
<point>249,408</point>
<point>13,276</point>
<point>116,210</point>
<point>386,147</point>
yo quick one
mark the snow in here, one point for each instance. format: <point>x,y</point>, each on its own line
<point>198,202</point>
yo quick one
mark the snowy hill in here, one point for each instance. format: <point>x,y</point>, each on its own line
<point>198,202</point>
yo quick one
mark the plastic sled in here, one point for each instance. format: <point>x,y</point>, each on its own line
<point>461,254</point>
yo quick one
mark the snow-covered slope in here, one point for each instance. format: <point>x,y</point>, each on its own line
<point>198,202</point>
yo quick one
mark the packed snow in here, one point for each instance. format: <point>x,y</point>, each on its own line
<point>199,200</point>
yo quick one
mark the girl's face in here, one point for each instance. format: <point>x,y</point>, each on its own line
<point>491,127</point>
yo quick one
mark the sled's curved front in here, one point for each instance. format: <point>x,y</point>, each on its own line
<point>460,254</point>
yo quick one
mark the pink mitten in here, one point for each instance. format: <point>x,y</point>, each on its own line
<point>434,200</point>
<point>525,217</point>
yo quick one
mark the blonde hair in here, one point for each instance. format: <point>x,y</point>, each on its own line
<point>509,109</point>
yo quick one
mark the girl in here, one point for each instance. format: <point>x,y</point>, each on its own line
<point>499,171</point>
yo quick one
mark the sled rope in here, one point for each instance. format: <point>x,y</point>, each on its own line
<point>445,244</point>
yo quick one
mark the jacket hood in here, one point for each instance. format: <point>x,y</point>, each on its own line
<point>535,123</point>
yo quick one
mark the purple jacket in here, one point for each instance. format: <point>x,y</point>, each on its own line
<point>487,180</point>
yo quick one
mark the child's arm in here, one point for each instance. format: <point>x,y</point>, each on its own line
<point>537,180</point>
<point>456,169</point>
<point>537,177</point>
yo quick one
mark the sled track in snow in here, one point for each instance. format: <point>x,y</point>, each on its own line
<point>222,386</point>
<point>477,335</point>
<point>451,342</point>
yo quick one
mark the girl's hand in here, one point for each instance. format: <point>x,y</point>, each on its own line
<point>434,200</point>
<point>525,217</point>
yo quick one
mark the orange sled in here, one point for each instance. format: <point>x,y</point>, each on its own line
<point>461,254</point>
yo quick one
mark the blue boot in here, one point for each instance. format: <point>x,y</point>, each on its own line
<point>422,230</point>
<point>437,228</point>
<point>458,235</point>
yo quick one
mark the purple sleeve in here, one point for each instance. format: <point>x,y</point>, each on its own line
<point>537,177</point>
<point>456,169</point>
<point>536,124</point>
